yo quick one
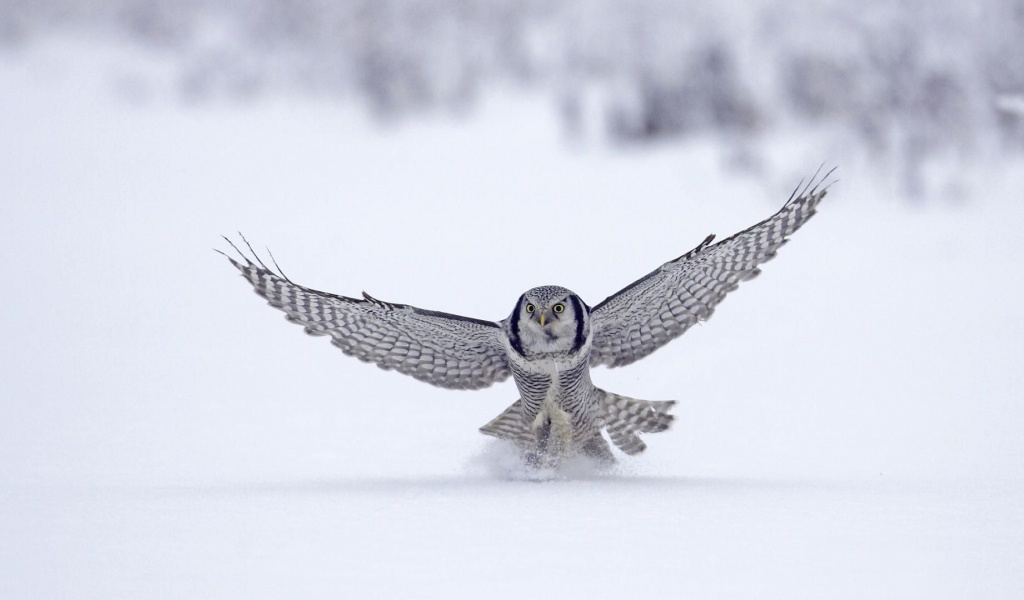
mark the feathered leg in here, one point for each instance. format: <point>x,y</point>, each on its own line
<point>597,449</point>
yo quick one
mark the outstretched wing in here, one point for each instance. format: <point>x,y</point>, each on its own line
<point>662,305</point>
<point>441,349</point>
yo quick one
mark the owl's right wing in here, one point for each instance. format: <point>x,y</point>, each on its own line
<point>439,348</point>
<point>663,304</point>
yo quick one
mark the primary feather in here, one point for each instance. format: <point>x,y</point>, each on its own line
<point>663,304</point>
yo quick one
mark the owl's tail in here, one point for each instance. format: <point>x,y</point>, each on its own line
<point>625,417</point>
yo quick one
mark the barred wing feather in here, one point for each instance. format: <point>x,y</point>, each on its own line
<point>662,305</point>
<point>441,349</point>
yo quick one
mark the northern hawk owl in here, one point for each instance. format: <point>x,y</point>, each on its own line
<point>550,341</point>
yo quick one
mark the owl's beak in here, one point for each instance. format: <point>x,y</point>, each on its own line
<point>543,317</point>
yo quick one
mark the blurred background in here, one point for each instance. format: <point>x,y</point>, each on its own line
<point>908,86</point>
<point>849,423</point>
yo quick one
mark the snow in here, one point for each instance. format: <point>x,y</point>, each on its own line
<point>849,423</point>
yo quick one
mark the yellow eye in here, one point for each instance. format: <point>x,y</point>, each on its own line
<point>529,308</point>
<point>558,308</point>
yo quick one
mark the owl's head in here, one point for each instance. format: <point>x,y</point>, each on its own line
<point>549,319</point>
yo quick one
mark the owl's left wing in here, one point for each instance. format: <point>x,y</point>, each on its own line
<point>439,348</point>
<point>662,305</point>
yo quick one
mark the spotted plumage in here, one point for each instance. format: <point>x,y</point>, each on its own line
<point>550,340</point>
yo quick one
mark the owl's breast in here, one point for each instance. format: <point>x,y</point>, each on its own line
<point>557,390</point>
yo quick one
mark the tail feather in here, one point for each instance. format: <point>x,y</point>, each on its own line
<point>625,417</point>
<point>509,425</point>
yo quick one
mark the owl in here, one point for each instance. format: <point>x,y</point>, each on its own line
<point>549,342</point>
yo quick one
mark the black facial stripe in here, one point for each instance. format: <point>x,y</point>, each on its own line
<point>580,315</point>
<point>513,327</point>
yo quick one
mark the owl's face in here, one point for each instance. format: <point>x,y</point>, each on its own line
<point>550,319</point>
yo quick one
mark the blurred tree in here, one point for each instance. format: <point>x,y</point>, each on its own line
<point>909,81</point>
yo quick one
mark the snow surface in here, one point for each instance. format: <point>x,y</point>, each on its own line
<point>849,423</point>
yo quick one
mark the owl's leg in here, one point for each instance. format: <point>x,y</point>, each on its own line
<point>548,450</point>
<point>511,426</point>
<point>597,449</point>
<point>537,458</point>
